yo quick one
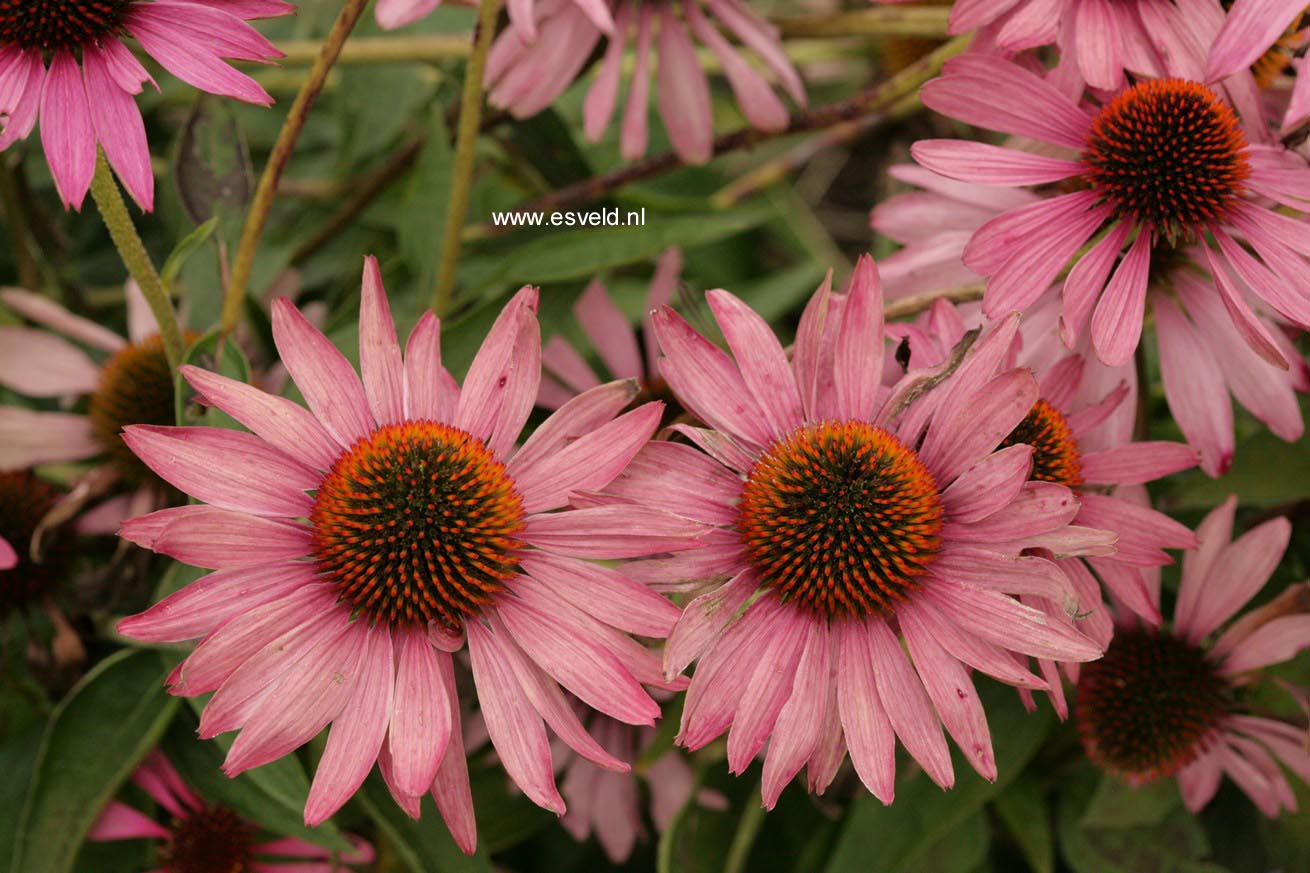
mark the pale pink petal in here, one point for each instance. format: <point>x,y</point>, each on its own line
<point>501,386</point>
<point>280,422</point>
<point>516,729</point>
<point>772,676</point>
<point>678,478</point>
<point>999,95</point>
<point>356,735</point>
<point>451,787</point>
<point>968,649</point>
<point>1194,388</point>
<point>219,539</point>
<point>256,478</point>
<point>118,126</point>
<point>119,821</point>
<point>1117,320</point>
<point>760,359</point>
<point>67,132</point>
<point>857,354</point>
<point>38,363</point>
<point>1136,463</point>
<point>379,350</point>
<point>801,722</point>
<point>29,438</point>
<point>633,132</point>
<point>1252,26</point>
<point>989,485</point>
<point>987,164</point>
<point>703,620</point>
<point>46,312</point>
<point>1276,641</point>
<point>430,391</point>
<point>908,706</point>
<point>1238,572</point>
<point>324,376</point>
<point>868,731</point>
<point>605,594</point>
<point>420,716</point>
<point>610,532</point>
<point>684,92</point>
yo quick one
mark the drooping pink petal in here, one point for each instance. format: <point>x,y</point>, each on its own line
<point>907,704</point>
<point>516,729</point>
<point>67,132</point>
<point>684,92</point>
<point>605,594</point>
<point>420,716</point>
<point>37,363</point>
<point>864,721</point>
<point>118,125</point>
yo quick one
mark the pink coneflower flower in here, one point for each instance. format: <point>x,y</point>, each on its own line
<point>1163,168</point>
<point>607,804</point>
<point>67,63</point>
<point>525,73</point>
<point>1077,442</point>
<point>1270,38</point>
<point>200,836</point>
<point>8,557</point>
<point>1103,38</point>
<point>129,384</point>
<point>1165,702</point>
<point>624,354</point>
<point>374,534</point>
<point>851,519</point>
<point>1204,358</point>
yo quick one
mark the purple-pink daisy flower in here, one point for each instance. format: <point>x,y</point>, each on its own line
<point>358,544</point>
<point>205,836</point>
<point>1170,701</point>
<point>527,71</point>
<point>1270,37</point>
<point>1163,169</point>
<point>852,520</point>
<point>67,64</point>
<point>1205,362</point>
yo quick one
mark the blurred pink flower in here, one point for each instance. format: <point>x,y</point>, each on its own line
<point>67,64</point>
<point>1162,168</point>
<point>608,804</point>
<point>851,519</point>
<point>527,71</point>
<point>1271,32</point>
<point>199,836</point>
<point>625,355</point>
<point>360,542</point>
<point>1164,702</point>
<point>1204,359</point>
<point>1101,38</point>
<point>8,557</point>
<point>1081,433</point>
<point>130,386</point>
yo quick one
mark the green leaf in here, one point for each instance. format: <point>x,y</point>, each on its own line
<point>189,245</point>
<point>204,353</point>
<point>1266,471</point>
<point>94,740</point>
<point>425,844</point>
<point>581,253</point>
<point>421,219</point>
<point>272,796</point>
<point>1176,844</point>
<point>17,760</point>
<point>1117,805</point>
<point>505,818</point>
<point>1027,817</point>
<point>212,166</point>
<point>895,839</point>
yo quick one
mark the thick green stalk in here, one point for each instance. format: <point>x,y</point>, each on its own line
<point>104,190</point>
<point>466,141</point>
<point>266,192</point>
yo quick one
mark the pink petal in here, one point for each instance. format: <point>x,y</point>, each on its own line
<point>986,164</point>
<point>609,332</point>
<point>379,350</point>
<point>573,420</point>
<point>1194,388</point>
<point>989,485</point>
<point>1137,463</point>
<point>1239,571</point>
<point>67,133</point>
<point>908,706</point>
<point>610,532</point>
<point>356,735</point>
<point>868,731</point>
<point>118,126</point>
<point>256,477</point>
<point>501,386</point>
<point>119,821</point>
<point>760,359</point>
<point>430,391</point>
<point>279,422</point>
<point>516,730</point>
<point>323,375</point>
<point>1252,26</point>
<point>857,355</point>
<point>1278,640</point>
<point>420,716</point>
<point>703,620</point>
<point>801,722</point>
<point>1117,321</point>
<point>46,312</point>
<point>219,539</point>
<point>451,788</point>
<point>684,92</point>
<point>605,594</point>
<point>37,363</point>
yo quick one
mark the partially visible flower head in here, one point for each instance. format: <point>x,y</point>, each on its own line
<point>360,542</point>
<point>1270,37</point>
<point>129,384</point>
<point>1204,357</point>
<point>871,538</point>
<point>1170,702</point>
<point>1162,171</point>
<point>624,354</point>
<point>24,501</point>
<point>526,72</point>
<point>199,837</point>
<point>607,805</point>
<point>66,62</point>
<point>1103,38</point>
<point>1079,430</point>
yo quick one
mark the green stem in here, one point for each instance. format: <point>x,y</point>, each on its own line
<point>466,141</point>
<point>28,274</point>
<point>104,190</point>
<point>748,828</point>
<point>266,192</point>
